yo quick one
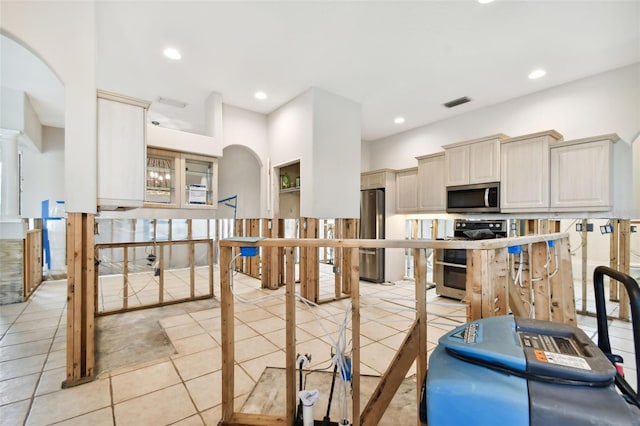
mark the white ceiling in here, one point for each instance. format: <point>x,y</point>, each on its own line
<point>394,58</point>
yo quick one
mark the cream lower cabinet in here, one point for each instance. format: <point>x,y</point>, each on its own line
<point>524,175</point>
<point>581,174</point>
<point>407,190</point>
<point>432,192</point>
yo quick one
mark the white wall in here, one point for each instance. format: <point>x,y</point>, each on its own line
<point>290,134</point>
<point>336,155</point>
<point>62,33</point>
<point>605,103</point>
<point>239,174</point>
<point>249,129</point>
<point>44,176</point>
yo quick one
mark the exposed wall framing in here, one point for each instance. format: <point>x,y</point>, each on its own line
<point>487,281</point>
<point>80,298</point>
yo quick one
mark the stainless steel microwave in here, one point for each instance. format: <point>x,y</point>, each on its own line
<point>478,198</point>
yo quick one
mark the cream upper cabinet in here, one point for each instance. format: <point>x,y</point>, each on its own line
<point>474,161</point>
<point>181,180</point>
<point>432,194</point>
<point>407,190</point>
<point>374,179</point>
<point>524,182</point>
<point>121,153</point>
<point>581,174</point>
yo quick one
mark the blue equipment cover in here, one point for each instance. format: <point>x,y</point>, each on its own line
<point>516,371</point>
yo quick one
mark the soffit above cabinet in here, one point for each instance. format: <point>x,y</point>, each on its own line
<point>177,140</point>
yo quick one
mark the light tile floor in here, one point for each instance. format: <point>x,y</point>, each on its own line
<point>184,389</point>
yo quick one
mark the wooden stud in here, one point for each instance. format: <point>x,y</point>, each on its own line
<point>584,247</point>
<point>227,334</point>
<point>211,268</point>
<point>89,307</point>
<point>290,337</point>
<point>568,301</point>
<point>499,301</point>
<point>338,276</point>
<point>420,268</point>
<point>476,275</point>
<point>614,247</point>
<point>625,265</point>
<point>125,277</point>
<point>540,278</point>
<point>354,255</point>
<point>239,232</point>
<point>192,259</point>
<point>161,265</point>
<point>265,257</point>
<point>254,261</point>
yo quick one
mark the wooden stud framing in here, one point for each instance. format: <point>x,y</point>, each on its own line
<point>309,262</point>
<point>486,291</point>
<point>80,298</point>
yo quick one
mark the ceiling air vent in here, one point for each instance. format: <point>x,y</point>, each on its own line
<point>456,102</point>
<point>171,102</point>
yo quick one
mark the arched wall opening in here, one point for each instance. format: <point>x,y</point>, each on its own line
<point>239,175</point>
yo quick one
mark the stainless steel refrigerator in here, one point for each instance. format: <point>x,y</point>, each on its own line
<point>372,227</point>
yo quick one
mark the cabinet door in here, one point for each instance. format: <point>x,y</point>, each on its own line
<point>524,183</point>
<point>121,154</point>
<point>580,177</point>
<point>162,178</point>
<point>484,161</point>
<point>432,194</point>
<point>457,166</point>
<point>199,181</point>
<point>407,191</point>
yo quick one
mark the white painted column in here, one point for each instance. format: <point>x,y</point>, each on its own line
<point>10,191</point>
<point>11,224</point>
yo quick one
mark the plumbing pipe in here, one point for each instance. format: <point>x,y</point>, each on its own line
<point>308,398</point>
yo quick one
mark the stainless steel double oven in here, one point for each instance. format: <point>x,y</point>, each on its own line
<point>450,269</point>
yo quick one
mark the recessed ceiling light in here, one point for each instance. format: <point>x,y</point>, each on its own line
<point>535,74</point>
<point>260,95</point>
<point>172,53</point>
<point>485,1</point>
<point>399,120</point>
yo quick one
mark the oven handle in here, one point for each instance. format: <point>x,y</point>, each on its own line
<point>486,197</point>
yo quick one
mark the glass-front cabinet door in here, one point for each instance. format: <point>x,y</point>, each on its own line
<point>180,180</point>
<point>199,181</point>
<point>161,178</point>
